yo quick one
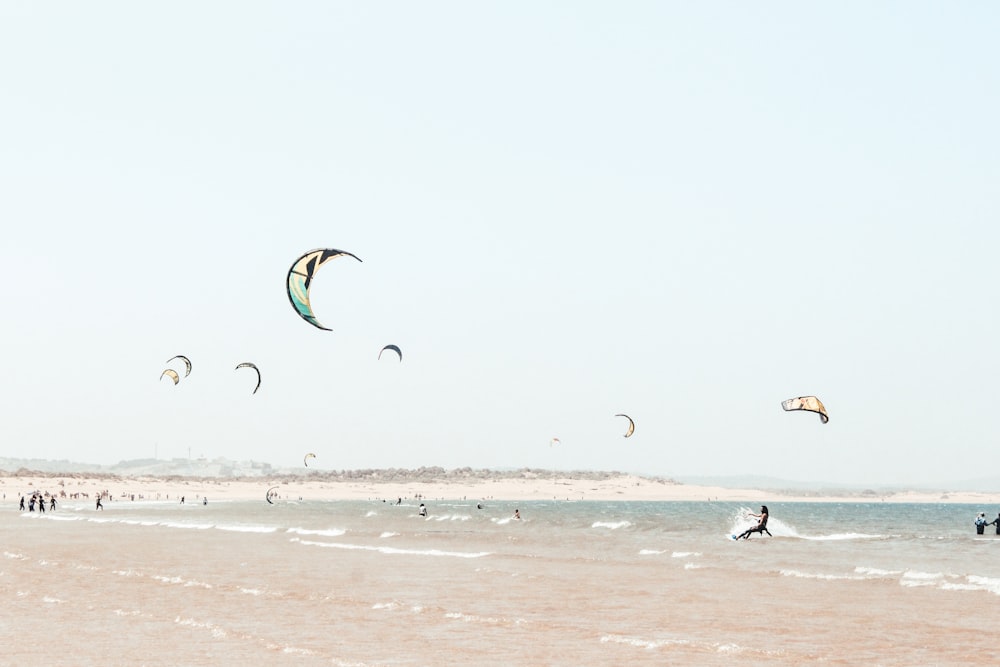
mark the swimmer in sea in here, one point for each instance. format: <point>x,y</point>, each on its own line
<point>423,510</point>
<point>517,514</point>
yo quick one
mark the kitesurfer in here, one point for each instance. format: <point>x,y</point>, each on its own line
<point>761,526</point>
<point>517,514</point>
<point>22,505</point>
<point>995,522</point>
<point>423,510</point>
<point>99,505</point>
<point>981,523</point>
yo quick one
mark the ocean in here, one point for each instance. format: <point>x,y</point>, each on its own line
<point>354,583</point>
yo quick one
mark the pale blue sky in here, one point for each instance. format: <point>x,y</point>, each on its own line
<point>687,212</point>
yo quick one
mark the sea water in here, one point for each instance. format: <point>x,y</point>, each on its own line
<point>571,583</point>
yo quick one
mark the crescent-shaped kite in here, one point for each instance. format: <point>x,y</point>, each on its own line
<point>631,424</point>
<point>172,374</point>
<point>394,348</point>
<point>555,441</point>
<point>808,403</point>
<point>268,496</point>
<point>300,278</point>
<point>305,459</point>
<point>247,364</point>
<point>187,363</point>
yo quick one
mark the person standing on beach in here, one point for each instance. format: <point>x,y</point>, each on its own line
<point>981,523</point>
<point>22,502</point>
<point>99,505</point>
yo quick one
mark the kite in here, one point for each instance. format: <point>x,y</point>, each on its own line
<point>631,424</point>
<point>187,363</point>
<point>268,496</point>
<point>300,278</point>
<point>394,348</point>
<point>247,364</point>
<point>555,441</point>
<point>808,403</point>
<point>172,374</point>
<point>305,459</point>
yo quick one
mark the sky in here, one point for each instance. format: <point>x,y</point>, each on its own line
<point>686,212</point>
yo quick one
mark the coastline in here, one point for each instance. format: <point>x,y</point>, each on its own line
<point>78,487</point>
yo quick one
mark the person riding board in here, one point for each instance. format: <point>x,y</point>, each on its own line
<point>761,526</point>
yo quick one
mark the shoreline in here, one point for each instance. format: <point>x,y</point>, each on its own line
<point>603,487</point>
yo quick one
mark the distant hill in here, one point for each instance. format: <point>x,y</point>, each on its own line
<point>224,468</point>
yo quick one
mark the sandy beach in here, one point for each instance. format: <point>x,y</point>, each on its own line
<point>525,485</point>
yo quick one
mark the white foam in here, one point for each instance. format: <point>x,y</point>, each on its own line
<point>685,554</point>
<point>613,525</point>
<point>650,552</point>
<point>236,528</point>
<point>820,575</point>
<point>395,551</point>
<point>875,572</point>
<point>188,526</point>
<point>643,643</point>
<point>330,532</point>
<point>388,533</point>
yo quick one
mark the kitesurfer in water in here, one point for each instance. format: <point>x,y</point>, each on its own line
<point>761,526</point>
<point>517,514</point>
<point>423,510</point>
<point>99,505</point>
<point>995,522</point>
<point>981,523</point>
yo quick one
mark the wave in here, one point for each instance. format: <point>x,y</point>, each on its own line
<point>330,532</point>
<point>394,550</point>
<point>238,528</point>
<point>613,525</point>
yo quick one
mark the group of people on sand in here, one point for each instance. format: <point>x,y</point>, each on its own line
<point>39,499</point>
<point>981,523</point>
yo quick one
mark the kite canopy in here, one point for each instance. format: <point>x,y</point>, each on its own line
<point>187,363</point>
<point>247,364</point>
<point>172,374</point>
<point>394,348</point>
<point>555,441</point>
<point>269,493</point>
<point>305,459</point>
<point>631,424</point>
<point>300,278</point>
<point>807,403</point>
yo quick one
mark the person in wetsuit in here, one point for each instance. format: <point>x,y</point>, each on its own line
<point>981,523</point>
